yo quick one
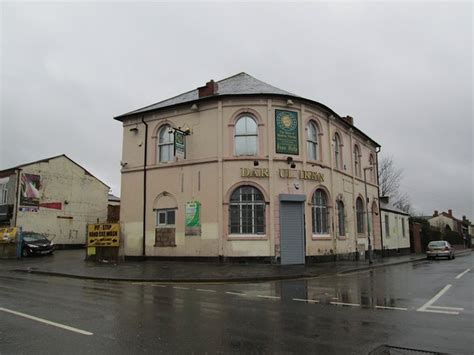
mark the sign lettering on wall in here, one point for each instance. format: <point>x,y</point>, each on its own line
<point>286,132</point>
<point>283,173</point>
<point>103,235</point>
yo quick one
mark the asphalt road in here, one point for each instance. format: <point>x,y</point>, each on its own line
<point>426,306</point>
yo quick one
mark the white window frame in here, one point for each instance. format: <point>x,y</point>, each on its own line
<point>246,134</point>
<point>312,143</point>
<point>322,211</point>
<point>162,144</point>
<point>165,211</point>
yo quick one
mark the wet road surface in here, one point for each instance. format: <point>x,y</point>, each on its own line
<point>427,306</point>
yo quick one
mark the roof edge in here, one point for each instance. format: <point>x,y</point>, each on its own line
<point>121,118</point>
<point>51,158</point>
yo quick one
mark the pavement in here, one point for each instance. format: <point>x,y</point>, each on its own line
<point>71,264</point>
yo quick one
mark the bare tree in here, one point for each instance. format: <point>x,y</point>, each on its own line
<point>390,177</point>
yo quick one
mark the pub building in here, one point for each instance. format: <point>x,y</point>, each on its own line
<point>239,169</point>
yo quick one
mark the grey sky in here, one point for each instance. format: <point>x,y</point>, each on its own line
<point>403,71</point>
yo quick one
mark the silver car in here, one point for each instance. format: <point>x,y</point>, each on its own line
<point>440,248</point>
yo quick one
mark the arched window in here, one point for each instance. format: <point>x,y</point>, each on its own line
<point>246,136</point>
<point>373,171</point>
<point>247,211</point>
<point>360,215</point>
<point>320,212</point>
<point>340,218</point>
<point>165,144</point>
<point>356,161</point>
<point>312,141</point>
<point>337,152</point>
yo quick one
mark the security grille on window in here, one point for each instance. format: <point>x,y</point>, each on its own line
<point>246,136</point>
<point>360,215</point>
<point>165,218</point>
<point>320,212</point>
<point>166,144</point>
<point>312,141</point>
<point>341,218</point>
<point>247,211</point>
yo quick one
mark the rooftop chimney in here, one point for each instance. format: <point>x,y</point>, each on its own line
<point>435,214</point>
<point>349,119</point>
<point>450,212</point>
<point>384,199</point>
<point>208,90</point>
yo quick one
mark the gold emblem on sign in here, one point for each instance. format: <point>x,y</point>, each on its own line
<point>286,120</point>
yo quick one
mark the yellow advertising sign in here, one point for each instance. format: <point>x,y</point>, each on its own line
<point>103,235</point>
<point>8,235</point>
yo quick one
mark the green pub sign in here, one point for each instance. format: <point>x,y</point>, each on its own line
<point>286,132</point>
<point>179,145</point>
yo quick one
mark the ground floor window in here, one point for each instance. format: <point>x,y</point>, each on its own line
<point>247,211</point>
<point>320,212</point>
<point>341,218</point>
<point>165,231</point>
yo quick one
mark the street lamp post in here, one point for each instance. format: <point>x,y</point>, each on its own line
<point>367,213</point>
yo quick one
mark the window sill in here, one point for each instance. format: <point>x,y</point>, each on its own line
<point>321,237</point>
<point>247,237</point>
<point>343,237</point>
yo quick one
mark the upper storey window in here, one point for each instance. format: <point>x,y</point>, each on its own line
<point>312,141</point>
<point>356,160</point>
<point>337,152</point>
<point>165,144</point>
<point>246,136</point>
<point>373,171</point>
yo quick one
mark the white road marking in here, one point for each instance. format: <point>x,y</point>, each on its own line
<point>436,311</point>
<point>448,308</point>
<point>430,303</point>
<point>235,293</point>
<point>45,321</point>
<point>304,300</point>
<point>463,273</point>
<point>434,299</point>
<point>345,304</point>
<point>271,297</point>
<point>204,290</point>
<point>394,308</point>
<point>181,288</point>
<point>159,285</point>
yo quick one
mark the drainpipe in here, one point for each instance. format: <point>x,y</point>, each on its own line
<point>377,151</point>
<point>144,187</point>
<point>17,197</point>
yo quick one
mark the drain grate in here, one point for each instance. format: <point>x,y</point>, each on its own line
<point>398,350</point>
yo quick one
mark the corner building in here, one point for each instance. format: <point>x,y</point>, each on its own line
<point>241,169</point>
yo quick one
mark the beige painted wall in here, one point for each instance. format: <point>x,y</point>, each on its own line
<point>395,239</point>
<point>441,222</point>
<point>211,172</point>
<point>62,180</point>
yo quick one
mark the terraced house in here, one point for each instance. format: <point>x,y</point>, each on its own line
<point>240,169</point>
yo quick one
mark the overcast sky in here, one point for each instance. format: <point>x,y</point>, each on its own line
<point>403,71</point>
